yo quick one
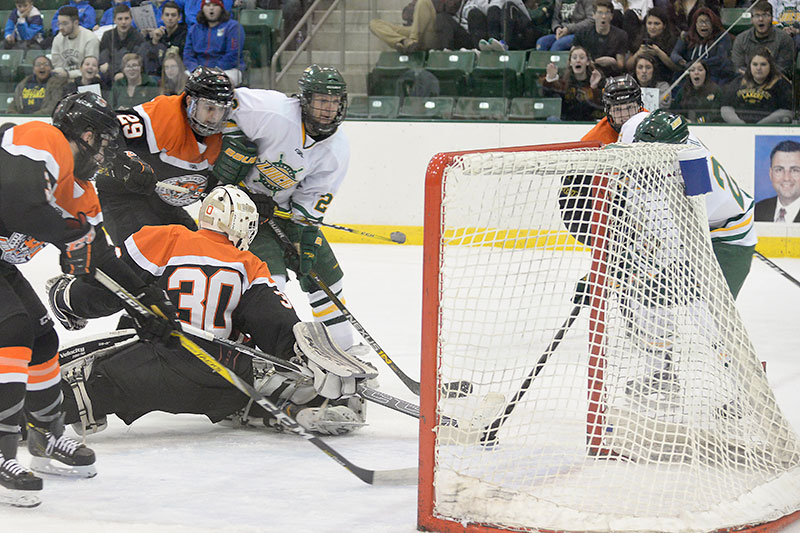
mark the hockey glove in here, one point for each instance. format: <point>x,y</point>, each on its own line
<point>308,240</point>
<point>265,205</point>
<point>156,328</point>
<point>58,297</point>
<point>138,176</point>
<point>237,156</point>
<point>79,256</point>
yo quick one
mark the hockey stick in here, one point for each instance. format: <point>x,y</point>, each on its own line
<point>777,269</point>
<point>455,388</point>
<point>489,437</point>
<point>372,477</point>
<point>397,237</point>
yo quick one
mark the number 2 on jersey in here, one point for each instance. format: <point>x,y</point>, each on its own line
<point>209,301</point>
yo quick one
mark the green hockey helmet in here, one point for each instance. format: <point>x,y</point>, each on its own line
<point>326,81</point>
<point>662,127</point>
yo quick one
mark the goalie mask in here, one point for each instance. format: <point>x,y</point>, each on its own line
<point>662,127</point>
<point>209,100</point>
<point>78,113</point>
<point>622,98</point>
<point>323,100</point>
<point>229,210</point>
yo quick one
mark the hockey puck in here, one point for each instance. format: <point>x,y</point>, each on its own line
<point>456,389</point>
<point>398,236</point>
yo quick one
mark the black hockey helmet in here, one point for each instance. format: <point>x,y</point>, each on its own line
<point>322,80</point>
<point>620,90</point>
<point>662,126</point>
<point>212,86</point>
<point>77,113</point>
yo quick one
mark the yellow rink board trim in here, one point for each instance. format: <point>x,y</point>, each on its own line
<point>769,246</point>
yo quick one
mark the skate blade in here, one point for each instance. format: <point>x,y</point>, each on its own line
<point>19,498</point>
<point>44,465</point>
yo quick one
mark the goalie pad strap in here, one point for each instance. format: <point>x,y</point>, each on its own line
<point>315,342</point>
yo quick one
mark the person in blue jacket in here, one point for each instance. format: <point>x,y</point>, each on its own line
<point>24,26</point>
<point>192,7</point>
<point>215,41</point>
<point>87,17</point>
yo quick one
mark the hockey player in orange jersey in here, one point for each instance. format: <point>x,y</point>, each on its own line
<point>45,198</point>
<point>179,138</point>
<point>622,98</point>
<point>218,286</point>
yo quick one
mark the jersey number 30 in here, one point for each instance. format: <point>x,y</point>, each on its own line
<point>208,301</point>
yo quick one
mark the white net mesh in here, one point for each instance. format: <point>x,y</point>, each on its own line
<point>652,412</point>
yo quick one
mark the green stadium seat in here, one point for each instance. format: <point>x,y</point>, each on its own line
<point>5,101</point>
<point>452,69</point>
<point>262,28</point>
<point>536,66</point>
<point>47,19</point>
<point>475,108</point>
<point>729,16</point>
<point>4,13</point>
<point>9,64</point>
<point>498,74</point>
<point>427,108</point>
<point>534,108</point>
<point>384,107</point>
<point>382,79</point>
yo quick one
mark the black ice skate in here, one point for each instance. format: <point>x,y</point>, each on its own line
<point>55,453</point>
<point>17,483</point>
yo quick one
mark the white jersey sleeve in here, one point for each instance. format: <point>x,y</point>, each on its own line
<point>629,128</point>
<point>301,174</point>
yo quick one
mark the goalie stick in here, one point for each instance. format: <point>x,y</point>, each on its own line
<point>372,477</point>
<point>455,388</point>
<point>777,269</point>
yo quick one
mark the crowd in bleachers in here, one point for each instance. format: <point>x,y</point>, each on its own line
<point>564,49</point>
<point>97,45</point>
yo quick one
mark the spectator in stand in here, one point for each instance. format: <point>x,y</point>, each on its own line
<point>72,44</point>
<point>606,43</point>
<point>629,15</point>
<point>569,16</point>
<point>705,29</point>
<point>24,27</point>
<point>134,87</point>
<point>37,93</point>
<point>215,41</point>
<point>657,39</point>
<point>421,35</point>
<point>681,12</point>
<point>292,11</point>
<point>86,15</point>
<point>90,75</point>
<point>455,25</point>
<point>762,34</point>
<point>171,35</point>
<point>192,8</point>
<point>699,98</point>
<point>173,75</point>
<point>507,24</point>
<point>116,43</point>
<point>786,16</point>
<point>762,96</point>
<point>108,15</point>
<point>644,71</point>
<point>580,87</point>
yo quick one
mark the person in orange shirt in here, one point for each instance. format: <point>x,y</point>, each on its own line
<point>179,137</point>
<point>622,99</point>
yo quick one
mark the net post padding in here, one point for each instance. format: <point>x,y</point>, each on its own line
<point>586,449</point>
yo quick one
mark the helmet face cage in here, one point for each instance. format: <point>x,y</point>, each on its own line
<point>207,126</point>
<point>322,80</point>
<point>662,126</point>
<point>229,210</point>
<point>212,86</point>
<point>618,91</point>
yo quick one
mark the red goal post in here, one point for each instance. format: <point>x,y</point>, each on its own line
<point>626,441</point>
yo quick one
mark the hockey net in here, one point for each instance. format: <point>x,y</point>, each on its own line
<point>650,410</point>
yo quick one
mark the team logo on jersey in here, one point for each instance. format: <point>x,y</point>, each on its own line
<point>277,175</point>
<point>19,248</point>
<point>195,183</point>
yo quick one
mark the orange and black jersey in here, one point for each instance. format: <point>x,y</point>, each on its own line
<point>39,192</point>
<point>603,132</point>
<point>214,286</point>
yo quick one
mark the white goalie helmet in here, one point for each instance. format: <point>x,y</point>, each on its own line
<point>228,209</point>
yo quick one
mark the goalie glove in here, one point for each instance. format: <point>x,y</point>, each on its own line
<point>237,156</point>
<point>58,297</point>
<point>138,176</point>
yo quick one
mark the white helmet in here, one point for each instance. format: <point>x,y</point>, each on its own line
<point>229,210</point>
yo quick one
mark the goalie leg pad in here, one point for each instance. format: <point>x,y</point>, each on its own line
<point>315,342</point>
<point>334,419</point>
